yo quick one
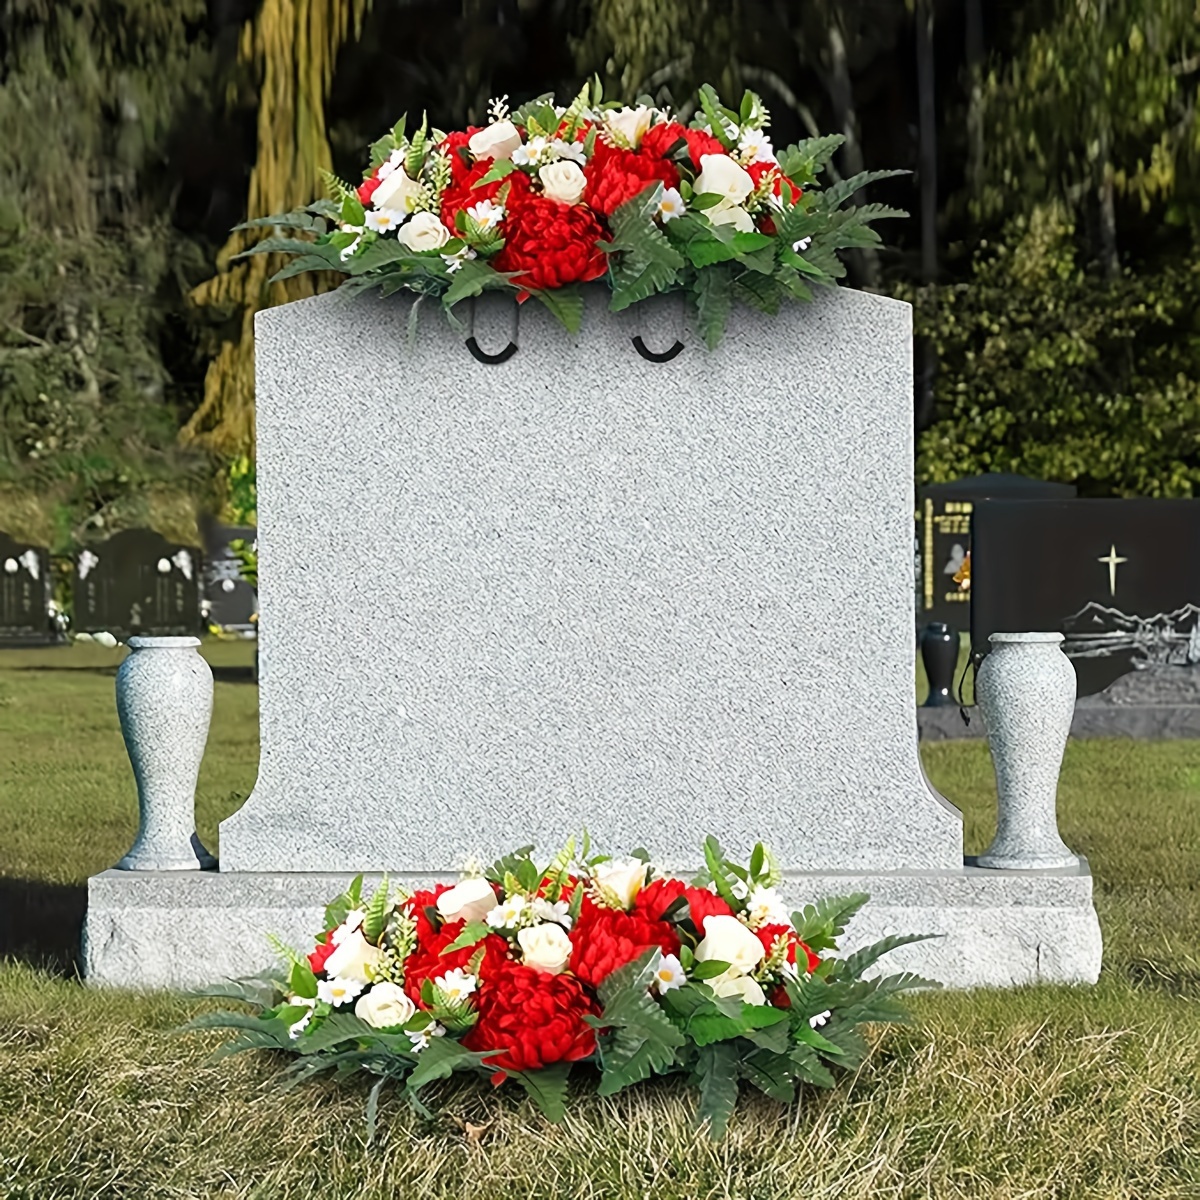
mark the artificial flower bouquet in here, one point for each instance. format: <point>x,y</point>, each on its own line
<point>520,971</point>
<point>548,197</point>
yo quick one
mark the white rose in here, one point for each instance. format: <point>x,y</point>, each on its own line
<point>631,123</point>
<point>470,900</point>
<point>727,940</point>
<point>733,984</point>
<point>398,192</point>
<point>563,180</point>
<point>545,948</point>
<point>423,232</point>
<point>624,877</point>
<point>384,1006</point>
<point>730,214</point>
<point>721,176</point>
<point>353,959</point>
<point>497,140</point>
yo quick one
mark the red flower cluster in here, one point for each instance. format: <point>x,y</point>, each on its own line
<point>431,959</point>
<point>534,1019</point>
<point>606,938</point>
<point>655,898</point>
<point>551,244</point>
<point>615,175</point>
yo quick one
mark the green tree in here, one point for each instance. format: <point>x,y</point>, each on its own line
<point>90,267</point>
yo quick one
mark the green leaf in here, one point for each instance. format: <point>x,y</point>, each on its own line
<point>377,912</point>
<point>705,1028</point>
<point>714,859</point>
<point>709,969</point>
<point>302,981</point>
<point>809,1067</point>
<point>439,1060</point>
<point>803,161</point>
<point>705,252</point>
<point>498,170</point>
<point>643,261</point>
<point>839,193</point>
<point>547,1088</point>
<point>803,1032</point>
<point>703,200</point>
<point>335,1029</point>
<point>710,102</point>
<point>757,858</point>
<point>764,293</point>
<point>471,279</point>
<point>296,219</point>
<point>713,291</point>
<point>820,925</point>
<point>566,304</point>
<point>770,1073</point>
<point>473,931</point>
<point>381,151</point>
<point>853,965</point>
<point>717,1071</point>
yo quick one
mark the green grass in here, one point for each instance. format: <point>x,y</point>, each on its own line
<point>1033,1092</point>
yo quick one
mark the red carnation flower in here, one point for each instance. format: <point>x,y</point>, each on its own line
<point>419,904</point>
<point>533,1018</point>
<point>701,143</point>
<point>770,934</point>
<point>616,175</point>
<point>659,139</point>
<point>463,193</point>
<point>757,170</point>
<point>551,244</point>
<point>604,939</point>
<point>655,898</point>
<point>428,962</point>
<point>317,958</point>
<point>455,144</point>
<point>367,188</point>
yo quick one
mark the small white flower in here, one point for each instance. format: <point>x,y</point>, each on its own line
<point>456,260</point>
<point>755,147</point>
<point>508,914</point>
<point>354,918</point>
<point>533,151</point>
<point>420,1037</point>
<point>348,251</point>
<point>819,1020</point>
<point>739,889</point>
<point>456,985</point>
<point>339,991</point>
<point>298,1027</point>
<point>572,150</point>
<point>671,205</point>
<point>559,912</point>
<point>487,214</point>
<point>764,907</point>
<point>802,245</point>
<point>789,970</point>
<point>383,220</point>
<point>669,974</point>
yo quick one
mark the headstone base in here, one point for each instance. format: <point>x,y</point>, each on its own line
<point>155,929</point>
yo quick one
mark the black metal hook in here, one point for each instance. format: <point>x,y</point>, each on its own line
<point>484,357</point>
<point>660,356</point>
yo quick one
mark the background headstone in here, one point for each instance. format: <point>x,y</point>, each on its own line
<point>944,538</point>
<point>231,600</point>
<point>581,589</point>
<point>137,583</point>
<point>1120,579</point>
<point>26,589</point>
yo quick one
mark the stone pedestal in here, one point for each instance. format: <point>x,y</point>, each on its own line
<point>580,588</point>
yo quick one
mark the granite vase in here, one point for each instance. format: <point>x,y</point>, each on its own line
<point>164,701</point>
<point>1026,690</point>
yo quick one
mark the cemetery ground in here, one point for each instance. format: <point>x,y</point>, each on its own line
<point>1034,1092</point>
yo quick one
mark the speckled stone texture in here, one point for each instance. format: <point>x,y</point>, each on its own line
<point>500,603</point>
<point>1003,927</point>
<point>1026,689</point>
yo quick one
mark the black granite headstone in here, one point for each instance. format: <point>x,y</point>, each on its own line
<point>944,538</point>
<point>231,600</point>
<point>138,583</point>
<point>26,588</point>
<point>1120,579</point>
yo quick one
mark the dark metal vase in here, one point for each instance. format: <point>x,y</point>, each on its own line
<point>939,653</point>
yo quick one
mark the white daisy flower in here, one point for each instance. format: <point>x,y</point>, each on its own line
<point>456,985</point>
<point>420,1037</point>
<point>764,907</point>
<point>755,147</point>
<point>339,991</point>
<point>802,245</point>
<point>533,151</point>
<point>456,260</point>
<point>383,220</point>
<point>569,150</point>
<point>668,974</point>
<point>559,912</point>
<point>671,205</point>
<point>487,213</point>
<point>508,914</point>
<point>819,1020</point>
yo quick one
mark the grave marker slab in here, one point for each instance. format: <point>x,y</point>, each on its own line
<point>582,589</point>
<point>26,588</point>
<point>137,583</point>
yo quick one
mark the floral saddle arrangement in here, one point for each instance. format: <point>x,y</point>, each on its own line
<point>548,197</point>
<point>521,971</point>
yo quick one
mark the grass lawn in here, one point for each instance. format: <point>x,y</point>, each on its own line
<point>1033,1092</point>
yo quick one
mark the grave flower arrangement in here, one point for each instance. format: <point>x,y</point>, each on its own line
<point>521,971</point>
<point>547,197</point>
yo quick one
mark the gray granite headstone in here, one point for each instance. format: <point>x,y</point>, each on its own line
<point>579,588</point>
